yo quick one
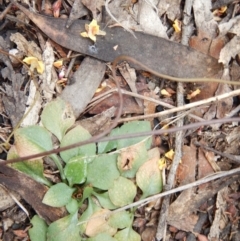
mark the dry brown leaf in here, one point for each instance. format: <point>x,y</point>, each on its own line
<point>98,224</point>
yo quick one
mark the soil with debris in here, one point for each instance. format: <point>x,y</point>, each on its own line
<point>59,54</point>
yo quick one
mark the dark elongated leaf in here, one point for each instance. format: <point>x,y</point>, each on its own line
<point>160,54</point>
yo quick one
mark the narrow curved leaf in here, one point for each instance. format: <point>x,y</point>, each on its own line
<point>72,206</point>
<point>91,209</point>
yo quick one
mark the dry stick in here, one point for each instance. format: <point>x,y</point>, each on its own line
<point>162,222</point>
<point>187,106</point>
<point>145,201</point>
<point>232,158</point>
<point>233,112</point>
<point>119,137</point>
<point>3,14</point>
<point>105,95</point>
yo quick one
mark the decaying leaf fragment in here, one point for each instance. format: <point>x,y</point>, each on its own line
<point>193,94</point>
<point>92,30</point>
<point>177,26</point>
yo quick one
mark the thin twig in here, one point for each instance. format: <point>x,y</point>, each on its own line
<point>232,158</point>
<point>96,139</point>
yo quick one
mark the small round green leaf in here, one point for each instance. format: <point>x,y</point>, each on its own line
<point>32,140</point>
<point>39,230</point>
<point>72,206</point>
<point>64,229</point>
<point>58,195</point>
<point>127,234</point>
<point>58,117</point>
<point>104,200</point>
<point>76,171</point>
<point>134,127</point>
<point>131,158</point>
<point>33,168</point>
<point>102,237</point>
<point>120,220</point>
<point>122,192</point>
<point>102,171</point>
<point>107,146</point>
<point>75,135</point>
<point>149,177</point>
<point>91,209</point>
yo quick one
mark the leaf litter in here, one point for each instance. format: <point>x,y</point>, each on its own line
<point>102,177</point>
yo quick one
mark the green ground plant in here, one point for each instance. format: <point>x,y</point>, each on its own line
<point>106,176</point>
